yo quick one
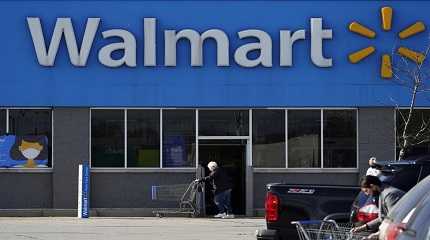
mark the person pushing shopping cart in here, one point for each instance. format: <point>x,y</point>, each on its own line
<point>329,229</point>
<point>222,187</point>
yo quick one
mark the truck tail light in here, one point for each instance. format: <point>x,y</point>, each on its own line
<point>394,230</point>
<point>271,205</point>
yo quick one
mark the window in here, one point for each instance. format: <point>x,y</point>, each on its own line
<point>139,137</point>
<point>268,138</point>
<point>223,122</point>
<point>31,131</point>
<point>143,138</point>
<point>304,138</point>
<point>2,122</point>
<point>107,138</point>
<point>340,139</point>
<point>131,138</point>
<point>420,145</point>
<point>179,138</point>
<point>30,122</point>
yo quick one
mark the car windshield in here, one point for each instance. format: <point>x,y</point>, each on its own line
<point>409,200</point>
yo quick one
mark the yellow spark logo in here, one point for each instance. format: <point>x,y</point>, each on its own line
<point>386,19</point>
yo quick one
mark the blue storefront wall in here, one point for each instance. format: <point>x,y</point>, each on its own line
<point>26,83</point>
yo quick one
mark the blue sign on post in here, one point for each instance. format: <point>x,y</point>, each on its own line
<point>84,191</point>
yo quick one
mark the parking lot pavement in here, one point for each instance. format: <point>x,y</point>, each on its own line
<point>128,228</point>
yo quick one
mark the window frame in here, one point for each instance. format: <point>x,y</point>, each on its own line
<point>356,136</point>
<point>321,138</point>
<point>322,168</point>
<point>90,137</point>
<point>6,118</point>
<point>126,137</point>
<point>200,110</point>
<point>395,114</point>
<point>196,136</point>
<point>285,168</point>
<point>51,139</point>
<point>126,168</point>
<point>251,136</point>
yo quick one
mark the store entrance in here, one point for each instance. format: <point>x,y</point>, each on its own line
<point>231,156</point>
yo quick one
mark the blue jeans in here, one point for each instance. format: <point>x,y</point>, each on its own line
<point>223,201</point>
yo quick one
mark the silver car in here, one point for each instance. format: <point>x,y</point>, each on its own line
<point>410,217</point>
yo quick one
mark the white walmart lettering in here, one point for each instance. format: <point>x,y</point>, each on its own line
<point>263,45</point>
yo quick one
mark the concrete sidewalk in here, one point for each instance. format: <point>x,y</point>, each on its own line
<point>128,228</point>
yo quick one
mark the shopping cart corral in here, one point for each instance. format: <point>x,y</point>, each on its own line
<point>326,230</point>
<point>187,196</point>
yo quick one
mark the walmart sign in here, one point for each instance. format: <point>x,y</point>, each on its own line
<point>237,54</point>
<point>78,57</point>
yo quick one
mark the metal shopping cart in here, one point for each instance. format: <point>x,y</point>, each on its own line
<point>185,194</point>
<point>326,230</point>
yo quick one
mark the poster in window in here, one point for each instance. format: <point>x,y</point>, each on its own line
<point>174,151</point>
<point>23,151</point>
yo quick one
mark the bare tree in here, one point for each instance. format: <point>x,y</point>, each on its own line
<point>412,71</point>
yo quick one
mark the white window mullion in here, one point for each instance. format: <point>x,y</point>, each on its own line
<point>7,121</point>
<point>286,138</point>
<point>52,137</point>
<point>161,138</point>
<point>91,128</point>
<point>357,139</point>
<point>125,138</point>
<point>197,138</point>
<point>395,133</point>
<point>250,138</point>
<point>322,138</point>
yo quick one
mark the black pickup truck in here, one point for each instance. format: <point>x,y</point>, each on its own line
<point>290,202</point>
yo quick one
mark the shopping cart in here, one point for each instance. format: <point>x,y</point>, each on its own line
<point>327,230</point>
<point>185,194</point>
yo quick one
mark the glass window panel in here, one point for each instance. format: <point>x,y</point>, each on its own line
<point>32,129</point>
<point>107,138</point>
<point>419,119</point>
<point>223,123</point>
<point>268,138</point>
<point>4,150</point>
<point>304,138</point>
<point>143,138</point>
<point>179,138</point>
<point>340,139</point>
<point>2,122</point>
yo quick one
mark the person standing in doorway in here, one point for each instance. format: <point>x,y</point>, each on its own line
<point>222,190</point>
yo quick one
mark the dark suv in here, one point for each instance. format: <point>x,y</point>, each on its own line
<point>406,173</point>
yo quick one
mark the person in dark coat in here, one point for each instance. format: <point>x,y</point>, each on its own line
<point>222,190</point>
<point>388,197</point>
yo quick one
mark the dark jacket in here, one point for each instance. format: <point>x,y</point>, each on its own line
<point>387,199</point>
<point>219,179</point>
